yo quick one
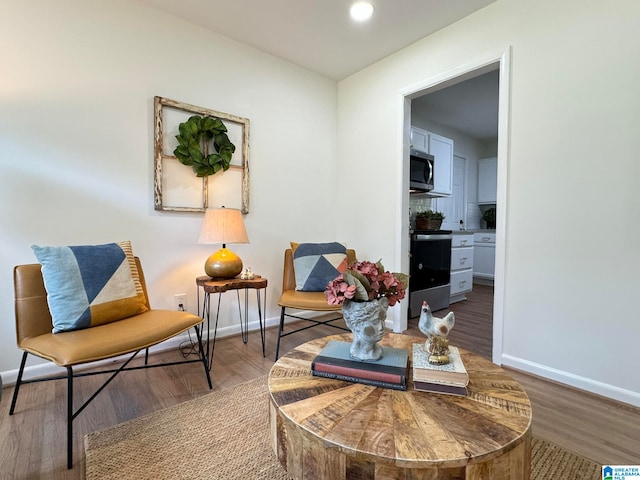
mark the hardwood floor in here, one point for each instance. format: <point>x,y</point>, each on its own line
<point>603,430</point>
<point>33,440</point>
<point>473,329</point>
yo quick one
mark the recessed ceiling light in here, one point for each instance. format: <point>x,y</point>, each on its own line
<point>361,11</point>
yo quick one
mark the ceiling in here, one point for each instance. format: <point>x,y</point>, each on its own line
<point>470,106</point>
<point>318,34</point>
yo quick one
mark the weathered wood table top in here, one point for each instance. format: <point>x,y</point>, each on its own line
<point>221,285</point>
<point>324,428</point>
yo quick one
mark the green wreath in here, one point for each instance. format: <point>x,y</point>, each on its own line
<point>194,141</point>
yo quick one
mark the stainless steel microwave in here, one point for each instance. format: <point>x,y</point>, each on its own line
<point>420,171</point>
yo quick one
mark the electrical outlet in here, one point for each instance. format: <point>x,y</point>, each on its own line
<point>180,301</point>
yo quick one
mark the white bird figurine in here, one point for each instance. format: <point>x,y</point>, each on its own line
<point>436,329</point>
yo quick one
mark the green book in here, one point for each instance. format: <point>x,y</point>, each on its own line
<point>396,358</point>
<point>336,357</point>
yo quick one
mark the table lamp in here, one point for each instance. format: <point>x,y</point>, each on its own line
<point>223,225</point>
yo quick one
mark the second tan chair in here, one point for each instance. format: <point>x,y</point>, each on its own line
<point>293,299</point>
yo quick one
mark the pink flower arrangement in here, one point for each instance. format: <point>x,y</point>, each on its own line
<point>366,281</point>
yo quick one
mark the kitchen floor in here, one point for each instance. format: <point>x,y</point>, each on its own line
<point>473,329</point>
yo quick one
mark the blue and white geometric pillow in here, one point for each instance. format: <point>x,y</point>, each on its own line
<point>316,264</point>
<point>89,285</point>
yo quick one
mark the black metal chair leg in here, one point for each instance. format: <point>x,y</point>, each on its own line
<point>280,333</point>
<point>69,417</point>
<point>18,383</point>
<point>203,356</point>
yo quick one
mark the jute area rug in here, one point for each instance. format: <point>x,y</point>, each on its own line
<point>225,435</point>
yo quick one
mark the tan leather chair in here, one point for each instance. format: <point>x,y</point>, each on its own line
<point>73,348</point>
<point>296,300</point>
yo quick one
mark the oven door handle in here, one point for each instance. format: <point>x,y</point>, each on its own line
<point>431,237</point>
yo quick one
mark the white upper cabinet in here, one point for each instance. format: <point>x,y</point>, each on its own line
<point>420,139</point>
<point>442,150</point>
<point>487,180</point>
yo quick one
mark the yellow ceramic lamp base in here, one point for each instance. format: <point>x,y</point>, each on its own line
<point>223,264</point>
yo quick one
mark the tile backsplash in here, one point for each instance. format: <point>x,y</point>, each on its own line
<point>417,203</point>
<point>474,216</point>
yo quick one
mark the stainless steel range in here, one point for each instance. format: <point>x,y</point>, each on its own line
<point>430,270</point>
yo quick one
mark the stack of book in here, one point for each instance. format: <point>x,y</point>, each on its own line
<point>451,378</point>
<point>335,361</point>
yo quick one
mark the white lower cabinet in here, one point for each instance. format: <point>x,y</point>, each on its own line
<point>461,267</point>
<point>485,250</point>
<point>461,283</point>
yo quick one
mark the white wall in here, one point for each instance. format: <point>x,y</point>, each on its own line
<point>76,155</point>
<point>76,144</point>
<point>571,217</point>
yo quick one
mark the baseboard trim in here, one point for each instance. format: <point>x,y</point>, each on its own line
<point>566,378</point>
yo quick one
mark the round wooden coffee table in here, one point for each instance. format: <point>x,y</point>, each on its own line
<point>331,429</point>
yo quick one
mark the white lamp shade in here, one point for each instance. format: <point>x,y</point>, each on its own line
<point>223,225</point>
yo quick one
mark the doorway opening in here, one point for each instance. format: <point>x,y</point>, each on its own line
<point>429,106</point>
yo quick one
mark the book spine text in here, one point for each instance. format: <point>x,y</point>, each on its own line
<point>358,372</point>
<point>365,381</point>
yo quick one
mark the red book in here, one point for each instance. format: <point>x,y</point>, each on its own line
<point>366,381</point>
<point>389,371</point>
<point>359,372</point>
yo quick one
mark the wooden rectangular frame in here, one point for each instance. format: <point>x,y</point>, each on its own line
<point>160,157</point>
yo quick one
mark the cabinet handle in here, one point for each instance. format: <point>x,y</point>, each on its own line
<point>463,242</point>
<point>461,284</point>
<point>486,239</point>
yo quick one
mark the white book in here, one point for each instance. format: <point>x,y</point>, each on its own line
<point>452,373</point>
